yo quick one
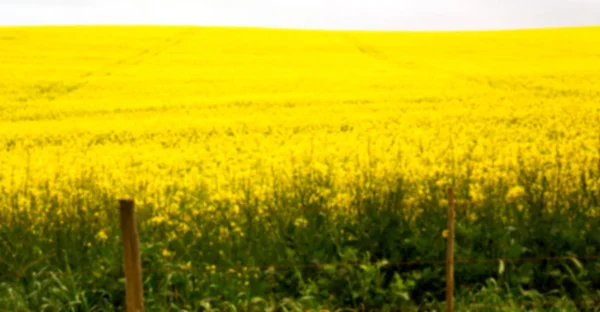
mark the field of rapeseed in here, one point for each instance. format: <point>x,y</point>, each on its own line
<point>267,164</point>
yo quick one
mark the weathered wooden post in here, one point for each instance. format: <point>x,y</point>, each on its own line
<point>134,291</point>
<point>450,254</point>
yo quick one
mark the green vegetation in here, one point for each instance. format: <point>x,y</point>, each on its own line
<point>304,257</point>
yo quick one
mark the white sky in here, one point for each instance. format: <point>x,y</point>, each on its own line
<point>324,14</point>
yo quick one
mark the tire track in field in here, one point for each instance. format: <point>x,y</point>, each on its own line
<point>365,49</point>
<point>53,93</point>
<point>153,51</point>
<point>374,53</point>
<point>486,82</point>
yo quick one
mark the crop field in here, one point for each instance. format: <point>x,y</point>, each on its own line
<point>288,170</point>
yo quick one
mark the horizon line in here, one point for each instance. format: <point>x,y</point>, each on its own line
<point>125,25</point>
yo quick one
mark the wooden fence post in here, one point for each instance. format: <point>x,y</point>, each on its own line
<point>450,254</point>
<point>134,291</point>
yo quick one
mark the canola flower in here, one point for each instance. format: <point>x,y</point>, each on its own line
<point>102,236</point>
<point>191,121</point>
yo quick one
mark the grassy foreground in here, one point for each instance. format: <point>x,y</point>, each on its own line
<point>295,170</point>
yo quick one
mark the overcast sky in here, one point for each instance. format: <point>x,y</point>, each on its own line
<point>324,14</point>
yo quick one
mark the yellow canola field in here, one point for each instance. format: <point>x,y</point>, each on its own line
<point>164,114</point>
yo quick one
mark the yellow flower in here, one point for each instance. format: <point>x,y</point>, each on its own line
<point>515,193</point>
<point>445,233</point>
<point>476,194</point>
<point>300,222</point>
<point>186,266</point>
<point>440,183</point>
<point>101,236</point>
<point>158,220</point>
<point>166,253</point>
<point>235,209</point>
